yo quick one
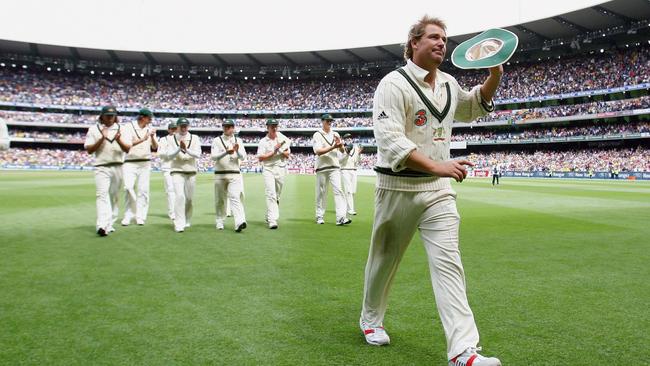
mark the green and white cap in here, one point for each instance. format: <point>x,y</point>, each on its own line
<point>488,49</point>
<point>109,110</point>
<point>326,117</point>
<point>145,112</point>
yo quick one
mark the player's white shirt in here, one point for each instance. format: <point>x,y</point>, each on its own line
<point>320,140</point>
<point>141,151</point>
<point>165,161</point>
<point>4,135</point>
<point>403,123</point>
<point>266,145</point>
<point>183,162</point>
<point>350,159</point>
<point>224,162</point>
<point>110,151</point>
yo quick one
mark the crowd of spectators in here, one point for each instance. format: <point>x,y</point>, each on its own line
<point>544,77</point>
<point>565,75</point>
<point>512,116</point>
<point>589,129</point>
<point>632,160</point>
<point>629,160</point>
<point>475,134</point>
<point>522,115</point>
<point>162,122</point>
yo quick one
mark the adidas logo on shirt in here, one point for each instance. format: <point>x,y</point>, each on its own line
<point>382,115</point>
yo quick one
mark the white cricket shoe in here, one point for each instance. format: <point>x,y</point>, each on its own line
<point>320,221</point>
<point>188,225</point>
<point>240,227</point>
<point>375,336</point>
<point>471,358</point>
<point>343,221</point>
<point>139,222</point>
<point>219,226</point>
<point>125,222</point>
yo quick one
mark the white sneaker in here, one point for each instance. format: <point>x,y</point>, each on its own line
<point>471,358</point>
<point>375,336</point>
<point>139,222</point>
<point>111,229</point>
<point>352,213</point>
<point>273,225</point>
<point>188,225</point>
<point>179,230</point>
<point>125,222</point>
<point>320,221</point>
<point>219,225</point>
<point>343,221</point>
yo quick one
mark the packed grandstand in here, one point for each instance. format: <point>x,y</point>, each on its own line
<point>584,113</point>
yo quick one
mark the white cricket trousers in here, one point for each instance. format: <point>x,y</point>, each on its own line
<point>273,183</point>
<point>349,182</point>
<point>169,189</point>
<point>184,192</point>
<point>108,182</point>
<point>398,214</point>
<point>229,188</point>
<point>136,203</point>
<point>332,176</point>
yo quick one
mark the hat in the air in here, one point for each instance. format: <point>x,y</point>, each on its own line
<point>490,48</point>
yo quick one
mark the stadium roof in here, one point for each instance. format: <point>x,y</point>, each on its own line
<point>623,15</point>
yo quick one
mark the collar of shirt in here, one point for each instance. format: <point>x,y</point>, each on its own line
<point>421,73</point>
<point>185,137</point>
<point>114,126</point>
<point>137,127</point>
<point>326,133</point>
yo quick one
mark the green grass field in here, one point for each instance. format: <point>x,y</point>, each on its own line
<point>558,274</point>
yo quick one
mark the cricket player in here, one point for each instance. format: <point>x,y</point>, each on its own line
<point>413,190</point>
<point>495,173</point>
<point>227,153</point>
<point>137,168</point>
<point>273,151</point>
<point>4,136</point>
<point>326,143</point>
<point>349,159</point>
<point>165,166</point>
<point>183,151</point>
<point>104,140</point>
